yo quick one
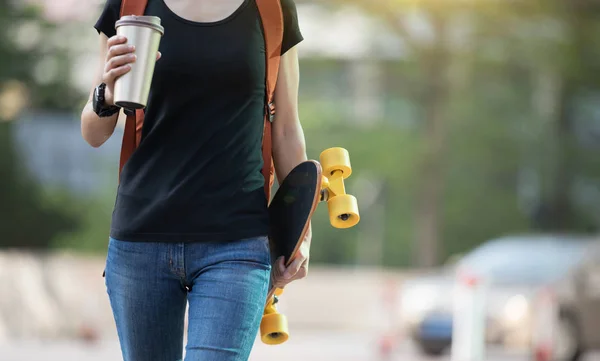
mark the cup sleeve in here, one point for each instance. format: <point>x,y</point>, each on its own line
<point>108,17</point>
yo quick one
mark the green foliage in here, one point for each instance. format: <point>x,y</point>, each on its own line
<point>95,217</point>
<point>28,218</point>
<point>484,161</point>
<point>386,154</point>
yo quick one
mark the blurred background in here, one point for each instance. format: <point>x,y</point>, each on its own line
<point>473,129</point>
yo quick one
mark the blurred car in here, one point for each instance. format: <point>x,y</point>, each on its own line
<point>516,269</point>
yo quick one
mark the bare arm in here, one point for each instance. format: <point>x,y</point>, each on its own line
<point>115,57</point>
<point>289,148</point>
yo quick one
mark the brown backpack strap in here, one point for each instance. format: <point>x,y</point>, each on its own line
<point>133,7</point>
<point>272,21</point>
<point>135,119</point>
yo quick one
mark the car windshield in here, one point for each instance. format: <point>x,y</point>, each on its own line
<point>523,261</point>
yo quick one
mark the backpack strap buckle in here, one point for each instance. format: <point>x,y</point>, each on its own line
<point>271,111</point>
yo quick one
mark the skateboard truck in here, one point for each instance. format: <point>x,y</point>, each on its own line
<point>343,213</point>
<point>343,208</point>
<point>273,326</point>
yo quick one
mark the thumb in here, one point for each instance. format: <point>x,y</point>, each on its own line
<point>279,268</point>
<point>293,268</point>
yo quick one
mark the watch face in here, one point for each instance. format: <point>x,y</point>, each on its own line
<point>98,98</point>
<point>101,89</point>
<point>99,105</point>
<point>95,100</point>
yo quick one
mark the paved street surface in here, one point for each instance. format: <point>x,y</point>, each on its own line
<point>320,329</point>
<point>314,346</point>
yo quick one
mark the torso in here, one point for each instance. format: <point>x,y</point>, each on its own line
<point>196,174</point>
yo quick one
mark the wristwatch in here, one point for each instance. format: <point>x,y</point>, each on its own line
<point>99,105</point>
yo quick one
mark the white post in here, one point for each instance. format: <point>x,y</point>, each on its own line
<point>544,326</point>
<point>468,328</point>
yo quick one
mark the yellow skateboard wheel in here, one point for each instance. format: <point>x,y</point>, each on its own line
<point>343,211</point>
<point>274,329</point>
<point>335,159</point>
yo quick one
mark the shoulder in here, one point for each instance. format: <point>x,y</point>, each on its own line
<point>288,8</point>
<point>291,27</point>
<point>113,5</point>
<point>108,17</point>
<point>290,13</point>
<point>286,4</point>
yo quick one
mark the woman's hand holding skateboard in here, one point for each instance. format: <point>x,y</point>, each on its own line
<point>298,269</point>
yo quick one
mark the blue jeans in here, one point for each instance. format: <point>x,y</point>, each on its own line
<point>225,283</point>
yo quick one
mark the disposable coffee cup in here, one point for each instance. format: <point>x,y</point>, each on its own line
<point>131,90</point>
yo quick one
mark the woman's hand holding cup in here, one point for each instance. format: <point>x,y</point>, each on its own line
<point>119,58</point>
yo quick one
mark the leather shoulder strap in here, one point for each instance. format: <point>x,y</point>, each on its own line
<point>135,119</point>
<point>271,16</point>
<point>272,21</point>
<point>133,7</point>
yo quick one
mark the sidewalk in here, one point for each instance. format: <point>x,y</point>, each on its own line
<point>302,346</point>
<point>318,345</point>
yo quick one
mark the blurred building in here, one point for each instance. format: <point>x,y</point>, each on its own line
<point>54,153</point>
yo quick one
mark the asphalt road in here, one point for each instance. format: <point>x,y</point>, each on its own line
<point>314,346</point>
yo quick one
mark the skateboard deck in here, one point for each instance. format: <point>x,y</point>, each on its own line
<point>290,212</point>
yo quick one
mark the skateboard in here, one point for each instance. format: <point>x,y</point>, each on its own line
<point>290,213</point>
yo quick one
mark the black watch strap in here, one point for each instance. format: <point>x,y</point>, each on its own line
<point>99,105</point>
<point>110,111</point>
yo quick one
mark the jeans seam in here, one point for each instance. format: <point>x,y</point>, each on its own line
<point>181,266</point>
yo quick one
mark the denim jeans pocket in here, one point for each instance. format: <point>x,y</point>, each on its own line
<point>256,249</point>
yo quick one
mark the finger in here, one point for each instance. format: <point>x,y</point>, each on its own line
<point>278,267</point>
<point>113,74</point>
<point>119,61</point>
<point>281,264</point>
<point>293,268</point>
<point>277,273</point>
<point>115,40</point>
<point>119,50</point>
<point>158,55</point>
<point>303,271</point>
<point>304,267</point>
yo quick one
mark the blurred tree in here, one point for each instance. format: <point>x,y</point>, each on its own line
<point>554,43</point>
<point>498,86</point>
<point>578,74</point>
<point>32,73</point>
<point>432,53</point>
<point>505,101</point>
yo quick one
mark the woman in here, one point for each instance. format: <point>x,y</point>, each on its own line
<point>190,220</point>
